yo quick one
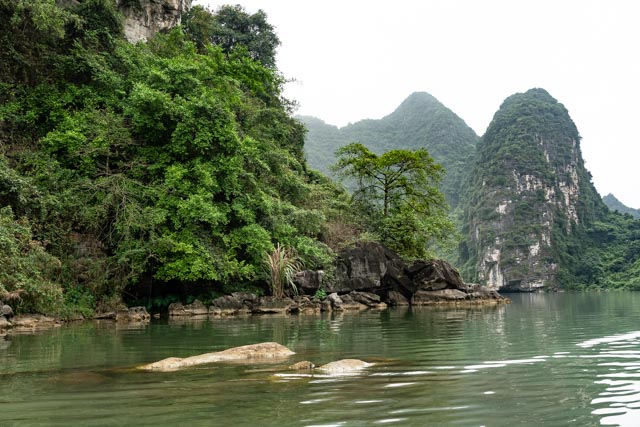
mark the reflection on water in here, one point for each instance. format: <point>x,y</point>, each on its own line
<point>543,360</point>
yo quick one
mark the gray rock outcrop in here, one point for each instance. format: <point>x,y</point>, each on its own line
<point>6,311</point>
<point>145,18</point>
<point>366,267</point>
<point>370,275</point>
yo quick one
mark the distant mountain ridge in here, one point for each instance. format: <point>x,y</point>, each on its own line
<point>420,121</point>
<point>616,205</point>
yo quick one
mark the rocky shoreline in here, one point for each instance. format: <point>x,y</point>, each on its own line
<point>368,277</point>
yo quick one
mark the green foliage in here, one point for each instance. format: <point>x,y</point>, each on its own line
<point>27,271</point>
<point>320,294</point>
<point>176,161</point>
<point>397,193</point>
<point>233,29</point>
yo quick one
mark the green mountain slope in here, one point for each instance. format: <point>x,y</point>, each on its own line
<point>616,205</point>
<point>421,121</point>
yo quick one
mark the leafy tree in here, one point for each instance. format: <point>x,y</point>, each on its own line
<point>232,28</point>
<point>398,194</point>
<point>420,121</point>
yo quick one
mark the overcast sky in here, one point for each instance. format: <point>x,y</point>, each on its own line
<point>357,59</point>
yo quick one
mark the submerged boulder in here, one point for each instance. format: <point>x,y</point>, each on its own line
<point>344,366</point>
<point>305,365</point>
<point>250,353</point>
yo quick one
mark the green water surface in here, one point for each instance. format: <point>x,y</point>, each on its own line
<point>561,359</point>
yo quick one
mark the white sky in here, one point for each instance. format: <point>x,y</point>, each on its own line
<point>358,59</point>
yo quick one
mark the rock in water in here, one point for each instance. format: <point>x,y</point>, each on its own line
<point>305,365</point>
<point>345,366</point>
<point>250,353</point>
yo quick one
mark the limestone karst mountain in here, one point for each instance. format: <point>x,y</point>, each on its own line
<point>529,194</point>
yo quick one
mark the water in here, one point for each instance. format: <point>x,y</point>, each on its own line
<point>566,359</point>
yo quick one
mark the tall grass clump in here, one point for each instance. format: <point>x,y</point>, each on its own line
<point>283,264</point>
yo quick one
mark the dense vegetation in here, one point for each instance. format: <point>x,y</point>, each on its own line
<point>168,167</point>
<point>154,172</point>
<point>421,121</point>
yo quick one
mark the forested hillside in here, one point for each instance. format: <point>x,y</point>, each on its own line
<point>421,121</point>
<point>616,205</point>
<point>124,169</point>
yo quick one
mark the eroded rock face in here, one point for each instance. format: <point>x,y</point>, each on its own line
<point>145,18</point>
<point>250,353</point>
<point>367,267</point>
<point>33,323</point>
<point>384,279</point>
<point>309,281</point>
<point>434,275</point>
<point>236,303</point>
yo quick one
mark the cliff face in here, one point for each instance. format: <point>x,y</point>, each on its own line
<point>528,194</point>
<point>144,18</point>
